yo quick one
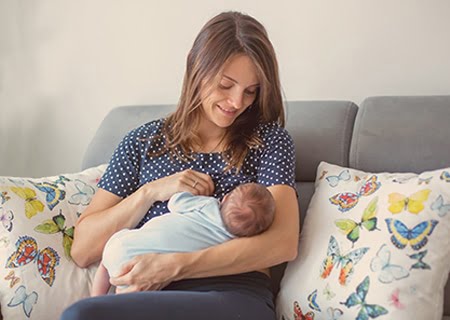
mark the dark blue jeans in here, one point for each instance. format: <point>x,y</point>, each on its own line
<point>243,296</point>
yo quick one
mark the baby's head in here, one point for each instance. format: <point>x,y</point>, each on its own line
<point>248,210</point>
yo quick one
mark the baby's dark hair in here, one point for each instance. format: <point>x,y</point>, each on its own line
<point>248,210</point>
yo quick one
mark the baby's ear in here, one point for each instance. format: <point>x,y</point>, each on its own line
<point>224,198</point>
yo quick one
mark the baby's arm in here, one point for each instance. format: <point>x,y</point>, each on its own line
<point>101,283</point>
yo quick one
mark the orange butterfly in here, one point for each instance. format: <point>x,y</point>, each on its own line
<point>14,280</point>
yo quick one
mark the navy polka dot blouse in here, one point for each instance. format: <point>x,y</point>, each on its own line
<point>130,166</point>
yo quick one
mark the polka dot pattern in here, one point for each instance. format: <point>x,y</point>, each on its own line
<point>130,167</point>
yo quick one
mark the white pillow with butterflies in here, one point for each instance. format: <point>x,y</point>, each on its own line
<point>372,246</point>
<point>38,279</point>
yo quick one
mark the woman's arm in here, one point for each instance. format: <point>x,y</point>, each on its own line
<point>276,245</point>
<point>105,215</point>
<point>108,213</point>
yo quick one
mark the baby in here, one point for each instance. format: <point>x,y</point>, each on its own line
<point>193,223</point>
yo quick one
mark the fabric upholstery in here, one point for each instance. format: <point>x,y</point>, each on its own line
<point>396,134</point>
<point>402,134</point>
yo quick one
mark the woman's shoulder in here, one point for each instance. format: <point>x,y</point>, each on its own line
<point>272,131</point>
<point>148,130</point>
<point>144,136</point>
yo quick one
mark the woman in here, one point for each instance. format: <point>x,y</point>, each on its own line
<point>227,130</point>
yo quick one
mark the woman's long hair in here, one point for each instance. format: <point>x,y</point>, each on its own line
<point>222,38</point>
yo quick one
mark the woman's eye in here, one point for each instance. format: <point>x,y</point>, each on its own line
<point>250,93</point>
<point>222,86</point>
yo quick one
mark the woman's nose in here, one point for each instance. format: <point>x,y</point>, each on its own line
<point>236,99</point>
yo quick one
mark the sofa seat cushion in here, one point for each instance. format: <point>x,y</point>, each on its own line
<point>372,245</point>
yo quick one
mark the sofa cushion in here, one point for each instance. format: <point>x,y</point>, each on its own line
<point>371,244</point>
<point>38,218</point>
<point>401,134</point>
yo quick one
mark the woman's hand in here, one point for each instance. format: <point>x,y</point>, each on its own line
<point>189,180</point>
<point>151,271</point>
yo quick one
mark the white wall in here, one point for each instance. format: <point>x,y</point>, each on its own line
<point>64,64</point>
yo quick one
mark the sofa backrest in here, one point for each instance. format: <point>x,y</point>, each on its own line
<point>403,134</point>
<point>396,134</point>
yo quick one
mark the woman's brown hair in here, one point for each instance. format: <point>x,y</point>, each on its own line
<point>222,38</point>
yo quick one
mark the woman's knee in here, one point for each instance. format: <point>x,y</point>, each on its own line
<point>81,310</point>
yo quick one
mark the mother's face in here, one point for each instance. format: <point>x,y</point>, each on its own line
<point>235,92</point>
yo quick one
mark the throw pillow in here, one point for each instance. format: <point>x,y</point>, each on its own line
<point>372,245</point>
<point>38,279</point>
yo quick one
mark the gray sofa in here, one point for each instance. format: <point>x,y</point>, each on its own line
<point>395,134</point>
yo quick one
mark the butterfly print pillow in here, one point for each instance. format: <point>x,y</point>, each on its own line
<point>38,278</point>
<point>373,246</point>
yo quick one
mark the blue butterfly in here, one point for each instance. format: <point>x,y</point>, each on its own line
<point>359,298</point>
<point>62,180</point>
<point>346,261</point>
<point>312,301</point>
<point>53,193</point>
<point>445,175</point>
<point>333,181</point>
<point>26,300</point>
<point>4,197</point>
<point>415,237</point>
<point>439,206</point>
<point>387,272</point>
<point>420,264</point>
<point>84,194</point>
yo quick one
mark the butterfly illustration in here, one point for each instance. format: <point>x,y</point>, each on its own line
<point>312,301</point>
<point>358,298</point>
<point>328,293</point>
<point>419,264</point>
<point>439,206</point>
<point>84,194</point>
<point>445,175</point>
<point>13,279</point>
<point>403,179</point>
<point>53,195</point>
<point>348,200</point>
<point>333,181</point>
<point>413,203</point>
<point>27,251</point>
<point>387,272</point>
<point>415,237</point>
<point>368,221</point>
<point>346,262</point>
<point>4,197</point>
<point>55,225</point>
<point>323,174</point>
<point>32,204</point>
<point>62,180</point>
<point>394,299</point>
<point>26,300</point>
<point>6,216</point>
<point>334,313</point>
<point>298,313</point>
<point>4,241</point>
<point>425,180</point>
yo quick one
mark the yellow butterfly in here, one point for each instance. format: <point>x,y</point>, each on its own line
<point>413,203</point>
<point>32,204</point>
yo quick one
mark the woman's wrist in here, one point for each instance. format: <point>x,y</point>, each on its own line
<point>186,265</point>
<point>148,194</point>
